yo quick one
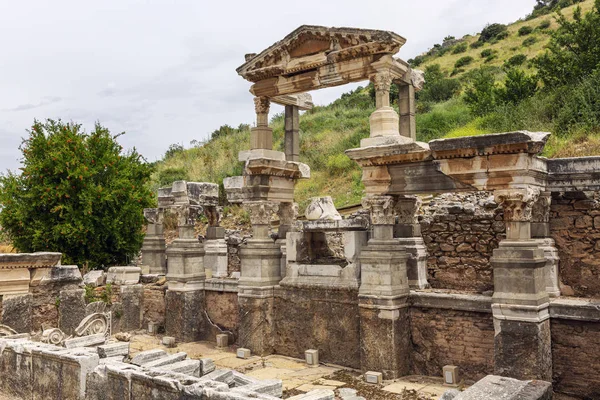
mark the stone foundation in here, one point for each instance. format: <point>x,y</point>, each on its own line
<point>185,321</point>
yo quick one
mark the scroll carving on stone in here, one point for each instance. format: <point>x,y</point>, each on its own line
<point>53,336</point>
<point>261,211</point>
<point>381,209</point>
<point>322,208</point>
<point>6,330</point>
<point>94,324</point>
<point>187,214</point>
<point>541,208</point>
<point>517,203</point>
<point>382,81</point>
<point>153,215</point>
<point>407,208</point>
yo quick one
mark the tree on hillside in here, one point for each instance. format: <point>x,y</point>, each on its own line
<point>574,49</point>
<point>437,87</point>
<point>78,194</point>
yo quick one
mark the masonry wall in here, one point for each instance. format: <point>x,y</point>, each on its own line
<point>575,227</point>
<point>448,337</point>
<point>576,357</point>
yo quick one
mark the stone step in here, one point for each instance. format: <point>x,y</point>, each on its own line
<point>170,359</point>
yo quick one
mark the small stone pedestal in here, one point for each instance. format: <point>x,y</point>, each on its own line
<point>153,249</point>
<point>184,300</point>
<point>408,232</point>
<point>383,296</point>
<point>215,248</point>
<point>260,273</point>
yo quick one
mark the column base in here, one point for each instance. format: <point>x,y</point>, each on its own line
<point>383,269</point>
<point>184,317</point>
<point>523,349</point>
<point>256,329</point>
<point>385,336</point>
<point>416,264</point>
<point>153,254</point>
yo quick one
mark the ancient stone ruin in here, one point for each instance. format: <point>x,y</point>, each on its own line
<point>472,252</point>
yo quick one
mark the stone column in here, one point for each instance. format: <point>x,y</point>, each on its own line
<point>408,232</point>
<point>215,248</point>
<point>384,120</point>
<point>184,299</point>
<point>154,247</point>
<point>520,302</point>
<point>260,273</point>
<point>407,108</point>
<point>540,231</point>
<point>292,133</point>
<point>261,136</point>
<point>288,212</point>
<point>383,295</point>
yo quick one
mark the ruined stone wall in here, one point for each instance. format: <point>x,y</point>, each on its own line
<point>318,318</point>
<point>223,312</point>
<point>233,240</point>
<point>447,337</point>
<point>154,305</point>
<point>460,232</point>
<point>575,357</point>
<point>575,227</point>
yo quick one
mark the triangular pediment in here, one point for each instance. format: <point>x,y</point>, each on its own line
<point>310,47</point>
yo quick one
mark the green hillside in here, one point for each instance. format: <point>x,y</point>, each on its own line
<point>494,92</point>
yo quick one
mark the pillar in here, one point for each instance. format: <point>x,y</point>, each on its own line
<point>261,136</point>
<point>384,120</point>
<point>292,133</point>
<point>383,295</point>
<point>215,247</point>
<point>540,231</point>
<point>154,247</point>
<point>184,299</point>
<point>520,302</point>
<point>260,273</point>
<point>288,212</point>
<point>407,108</point>
<point>408,232</point>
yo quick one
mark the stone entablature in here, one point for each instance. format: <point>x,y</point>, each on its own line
<point>19,271</point>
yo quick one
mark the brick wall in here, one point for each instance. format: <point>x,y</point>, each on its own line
<point>460,232</point>
<point>575,227</point>
<point>154,304</point>
<point>447,337</point>
<point>576,358</point>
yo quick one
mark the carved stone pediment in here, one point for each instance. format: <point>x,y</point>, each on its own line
<point>310,47</point>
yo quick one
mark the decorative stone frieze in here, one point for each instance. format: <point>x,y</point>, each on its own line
<point>517,203</point>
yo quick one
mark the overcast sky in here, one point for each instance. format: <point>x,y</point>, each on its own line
<point>164,71</point>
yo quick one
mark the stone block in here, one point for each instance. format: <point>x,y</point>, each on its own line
<point>71,309</point>
<point>147,356</point>
<point>113,349</point>
<point>123,275</point>
<point>320,394</point>
<point>207,365</point>
<point>450,374</point>
<point>182,314</point>
<point>373,377</point>
<point>94,278</point>
<point>243,353</point>
<point>497,387</point>
<point>170,359</point>
<point>188,367</point>
<point>132,300</point>
<point>169,341</point>
<point>15,311</point>
<point>222,341</point>
<point>64,274</point>
<point>270,387</point>
<point>312,357</point>
<point>14,281</point>
<point>85,341</point>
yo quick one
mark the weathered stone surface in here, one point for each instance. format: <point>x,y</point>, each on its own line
<point>29,260</point>
<point>113,349</point>
<point>184,321</point>
<point>123,275</point>
<point>15,311</point>
<point>322,208</point>
<point>71,309</point>
<point>449,394</point>
<point>188,367</point>
<point>95,278</point>
<point>132,298</point>
<point>85,341</point>
<point>147,356</point>
<point>497,387</point>
<point>531,142</point>
<point>169,359</point>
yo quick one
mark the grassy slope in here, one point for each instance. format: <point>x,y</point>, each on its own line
<point>327,131</point>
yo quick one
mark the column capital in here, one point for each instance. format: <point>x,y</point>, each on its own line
<point>262,105</point>
<point>187,214</point>
<point>261,211</point>
<point>541,208</point>
<point>517,203</point>
<point>154,215</point>
<point>382,80</point>
<point>381,209</point>
<point>288,212</point>
<point>407,208</point>
<point>212,214</point>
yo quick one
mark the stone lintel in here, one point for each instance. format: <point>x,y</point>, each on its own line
<point>355,224</point>
<point>384,150</point>
<point>573,174</point>
<point>221,285</point>
<point>274,167</point>
<point>451,301</point>
<point>301,100</point>
<point>575,309</point>
<point>29,260</point>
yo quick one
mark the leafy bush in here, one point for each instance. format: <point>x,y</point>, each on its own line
<point>438,88</point>
<point>339,164</point>
<point>77,194</point>
<point>515,61</point>
<point>477,44</point>
<point>544,25</point>
<point>173,150</point>
<point>481,96</point>
<point>486,53</point>
<point>525,30</point>
<point>460,48</point>
<point>457,71</point>
<point>418,60</point>
<point>530,41</point>
<point>517,87</point>
<point>574,49</point>
<point>463,61</point>
<point>167,176</point>
<point>501,36</point>
<point>490,58</point>
<point>580,106</point>
<point>491,31</point>
<point>443,118</point>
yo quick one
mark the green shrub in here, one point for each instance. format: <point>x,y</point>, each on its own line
<point>486,53</point>
<point>481,95</point>
<point>515,61</point>
<point>492,31</point>
<point>501,36</point>
<point>544,25</point>
<point>443,118</point>
<point>173,150</point>
<point>438,87</point>
<point>490,58</point>
<point>418,60</point>
<point>579,106</point>
<point>457,71</point>
<point>339,163</point>
<point>167,176</point>
<point>517,87</point>
<point>530,41</point>
<point>525,30</point>
<point>77,194</point>
<point>476,44</point>
<point>460,48</point>
<point>463,61</point>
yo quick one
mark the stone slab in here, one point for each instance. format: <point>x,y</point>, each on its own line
<point>85,341</point>
<point>71,310</point>
<point>123,275</point>
<point>170,359</point>
<point>147,356</point>
<point>113,349</point>
<point>498,387</point>
<point>94,278</point>
<point>188,367</point>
